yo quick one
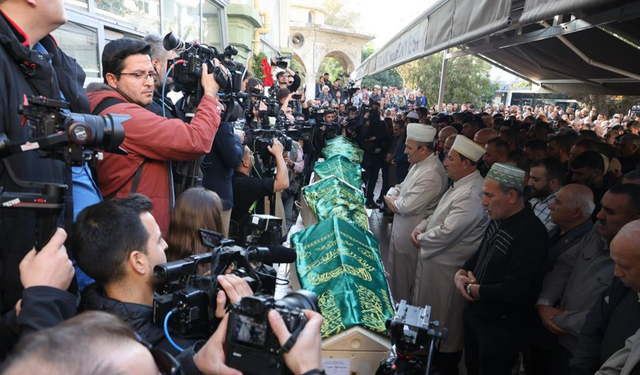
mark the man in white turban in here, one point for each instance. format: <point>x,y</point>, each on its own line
<point>446,240</point>
<point>411,202</point>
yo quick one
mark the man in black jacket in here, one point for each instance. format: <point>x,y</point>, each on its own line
<point>376,144</point>
<point>502,279</point>
<point>26,70</point>
<point>118,243</point>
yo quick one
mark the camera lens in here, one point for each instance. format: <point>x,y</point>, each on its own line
<point>302,299</point>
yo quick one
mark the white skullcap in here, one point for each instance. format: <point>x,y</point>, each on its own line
<point>413,115</point>
<point>467,148</point>
<point>421,132</point>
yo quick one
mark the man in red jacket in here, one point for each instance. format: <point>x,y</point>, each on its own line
<point>150,140</point>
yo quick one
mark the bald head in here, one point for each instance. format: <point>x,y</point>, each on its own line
<point>446,132</point>
<point>625,253</point>
<point>580,196</point>
<point>630,232</point>
<point>448,143</point>
<point>484,135</point>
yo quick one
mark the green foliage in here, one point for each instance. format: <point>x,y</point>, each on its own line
<point>331,66</point>
<point>389,77</point>
<point>467,79</point>
<point>296,67</point>
<point>521,84</point>
<point>607,104</point>
<point>256,66</point>
<point>337,16</point>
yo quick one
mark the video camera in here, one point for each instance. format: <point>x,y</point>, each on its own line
<point>187,73</point>
<point>56,133</point>
<point>252,347</point>
<point>281,61</point>
<point>186,301</point>
<point>262,139</point>
<point>266,230</point>
<point>414,336</point>
<point>71,137</point>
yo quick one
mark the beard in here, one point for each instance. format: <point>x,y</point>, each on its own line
<point>540,193</point>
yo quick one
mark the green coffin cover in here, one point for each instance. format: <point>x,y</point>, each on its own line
<point>342,146</point>
<point>331,197</point>
<point>340,167</point>
<point>341,264</point>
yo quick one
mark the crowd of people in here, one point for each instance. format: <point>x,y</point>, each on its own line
<point>517,224</point>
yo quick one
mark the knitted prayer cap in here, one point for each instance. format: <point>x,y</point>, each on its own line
<point>506,174</point>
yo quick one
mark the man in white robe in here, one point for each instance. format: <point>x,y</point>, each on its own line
<point>446,239</point>
<point>411,202</point>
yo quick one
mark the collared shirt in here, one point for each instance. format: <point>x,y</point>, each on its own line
<point>541,210</point>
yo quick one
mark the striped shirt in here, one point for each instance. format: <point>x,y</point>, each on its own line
<point>541,209</point>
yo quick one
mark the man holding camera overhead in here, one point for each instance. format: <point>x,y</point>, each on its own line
<point>287,78</point>
<point>150,140</point>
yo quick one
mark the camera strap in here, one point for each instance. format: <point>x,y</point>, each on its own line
<point>106,103</point>
<point>294,336</point>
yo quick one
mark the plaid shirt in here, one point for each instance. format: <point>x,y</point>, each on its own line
<point>541,210</point>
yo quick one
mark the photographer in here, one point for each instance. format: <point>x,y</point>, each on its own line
<point>150,140</point>
<point>185,173</point>
<point>160,59</point>
<point>256,110</point>
<point>31,64</point>
<point>247,189</point>
<point>286,79</point>
<point>283,96</point>
<point>118,243</point>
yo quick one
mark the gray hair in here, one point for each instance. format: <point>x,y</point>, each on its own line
<point>584,203</point>
<point>519,189</point>
<point>157,49</point>
<point>630,232</point>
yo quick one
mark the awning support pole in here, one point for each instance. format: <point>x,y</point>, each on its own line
<point>443,79</point>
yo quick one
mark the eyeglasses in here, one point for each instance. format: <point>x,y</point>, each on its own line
<point>142,75</point>
<point>166,363</point>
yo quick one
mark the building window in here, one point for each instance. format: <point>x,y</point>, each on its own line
<point>78,3</point>
<point>310,17</point>
<point>212,25</point>
<point>182,19</point>
<point>81,43</point>
<point>143,15</point>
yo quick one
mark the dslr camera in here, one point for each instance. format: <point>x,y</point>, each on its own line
<point>252,347</point>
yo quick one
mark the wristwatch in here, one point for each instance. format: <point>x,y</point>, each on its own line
<point>469,289</point>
